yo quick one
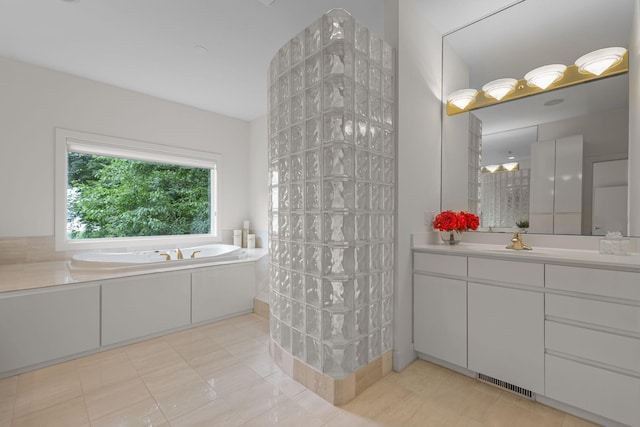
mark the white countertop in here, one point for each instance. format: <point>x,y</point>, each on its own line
<point>581,258</point>
<point>33,275</point>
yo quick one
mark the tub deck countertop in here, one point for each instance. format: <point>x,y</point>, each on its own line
<point>33,275</point>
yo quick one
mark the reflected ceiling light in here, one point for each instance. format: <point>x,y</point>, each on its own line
<point>511,166</point>
<point>599,61</point>
<point>462,98</point>
<point>545,76</point>
<point>498,89</point>
<point>506,167</point>
<point>491,168</point>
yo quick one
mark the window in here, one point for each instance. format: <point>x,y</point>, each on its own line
<point>113,192</point>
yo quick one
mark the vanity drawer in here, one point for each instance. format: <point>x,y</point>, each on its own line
<point>599,391</point>
<point>619,316</point>
<point>521,273</point>
<point>609,283</point>
<point>611,349</point>
<point>440,264</point>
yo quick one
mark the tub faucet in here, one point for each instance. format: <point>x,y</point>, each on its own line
<point>167,257</point>
<point>179,253</point>
<point>517,243</point>
<point>194,253</point>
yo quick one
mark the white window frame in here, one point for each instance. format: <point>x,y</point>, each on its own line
<point>82,142</point>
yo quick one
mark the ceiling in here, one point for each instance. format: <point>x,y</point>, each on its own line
<point>214,54</point>
<point>210,54</point>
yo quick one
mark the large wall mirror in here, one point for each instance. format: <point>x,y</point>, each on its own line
<point>571,145</point>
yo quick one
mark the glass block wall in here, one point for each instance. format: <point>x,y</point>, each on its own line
<point>505,198</point>
<point>331,209</point>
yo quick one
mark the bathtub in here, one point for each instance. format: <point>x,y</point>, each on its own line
<point>87,262</point>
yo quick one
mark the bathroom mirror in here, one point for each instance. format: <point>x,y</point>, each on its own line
<point>510,43</point>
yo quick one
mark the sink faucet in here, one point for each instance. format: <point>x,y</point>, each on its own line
<point>517,243</point>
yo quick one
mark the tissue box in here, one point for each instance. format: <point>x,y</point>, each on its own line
<point>615,246</point>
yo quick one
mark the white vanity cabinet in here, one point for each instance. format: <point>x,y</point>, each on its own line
<point>222,291</point>
<point>592,340</point>
<point>565,329</point>
<point>440,307</point>
<point>506,321</point>
<point>135,307</point>
<point>44,325</point>
<point>506,335</point>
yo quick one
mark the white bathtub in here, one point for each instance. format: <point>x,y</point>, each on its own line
<point>151,259</point>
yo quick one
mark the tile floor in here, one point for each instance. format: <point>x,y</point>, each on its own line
<point>222,375</point>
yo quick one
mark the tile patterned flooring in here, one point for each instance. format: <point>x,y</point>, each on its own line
<point>221,374</point>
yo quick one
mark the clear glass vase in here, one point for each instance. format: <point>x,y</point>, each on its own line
<point>451,237</point>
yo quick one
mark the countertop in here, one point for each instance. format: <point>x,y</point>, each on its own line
<point>576,257</point>
<point>33,275</point>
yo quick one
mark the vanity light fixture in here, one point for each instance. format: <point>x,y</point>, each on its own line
<point>545,76</point>
<point>594,65</point>
<point>462,98</point>
<point>598,61</point>
<point>498,89</point>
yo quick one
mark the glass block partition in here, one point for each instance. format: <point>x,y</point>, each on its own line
<point>331,209</point>
<point>505,198</point>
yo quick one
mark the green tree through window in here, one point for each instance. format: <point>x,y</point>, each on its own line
<point>113,197</point>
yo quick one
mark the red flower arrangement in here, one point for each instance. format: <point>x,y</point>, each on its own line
<point>458,221</point>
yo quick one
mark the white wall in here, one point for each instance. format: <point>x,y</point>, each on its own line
<point>34,101</point>
<point>258,179</point>
<point>455,136</point>
<point>418,155</point>
<point>634,124</point>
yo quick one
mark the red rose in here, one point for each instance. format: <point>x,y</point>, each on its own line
<point>472,220</point>
<point>447,220</point>
<point>461,221</point>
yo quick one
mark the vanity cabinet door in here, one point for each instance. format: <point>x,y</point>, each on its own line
<point>440,318</point>
<point>506,335</point>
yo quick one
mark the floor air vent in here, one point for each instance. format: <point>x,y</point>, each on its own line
<point>505,385</point>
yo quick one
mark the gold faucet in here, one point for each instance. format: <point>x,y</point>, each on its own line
<point>517,243</point>
<point>194,253</point>
<point>179,253</point>
<point>167,257</point>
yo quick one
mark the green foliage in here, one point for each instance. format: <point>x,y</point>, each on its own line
<point>124,198</point>
<point>524,223</point>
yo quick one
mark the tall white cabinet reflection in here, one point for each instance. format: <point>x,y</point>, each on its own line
<point>610,197</point>
<point>555,204</point>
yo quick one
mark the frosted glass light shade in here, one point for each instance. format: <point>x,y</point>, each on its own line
<point>511,166</point>
<point>544,76</point>
<point>598,61</point>
<point>498,89</point>
<point>462,98</point>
